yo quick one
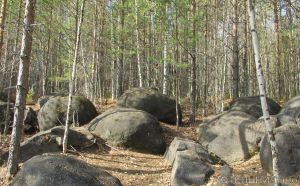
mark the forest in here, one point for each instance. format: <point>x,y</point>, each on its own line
<point>135,81</point>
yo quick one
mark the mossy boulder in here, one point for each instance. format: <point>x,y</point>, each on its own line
<point>151,101</point>
<point>57,169</point>
<point>54,112</point>
<point>129,128</point>
<point>252,105</point>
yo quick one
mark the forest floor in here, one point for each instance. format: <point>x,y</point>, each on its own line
<point>134,168</point>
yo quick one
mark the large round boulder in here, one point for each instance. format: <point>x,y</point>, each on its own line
<point>287,139</point>
<point>54,112</point>
<point>290,113</point>
<point>129,128</point>
<point>151,101</point>
<point>51,140</point>
<point>232,135</point>
<point>56,169</point>
<point>252,105</point>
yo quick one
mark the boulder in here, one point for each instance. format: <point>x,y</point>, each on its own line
<point>129,128</point>
<point>56,169</point>
<point>151,101</point>
<point>190,169</point>
<point>51,141</point>
<point>54,112</point>
<point>221,124</point>
<point>290,113</point>
<point>225,178</point>
<point>43,100</point>
<point>30,121</point>
<point>232,136</point>
<point>258,130</point>
<point>180,144</point>
<point>252,105</point>
<point>288,143</point>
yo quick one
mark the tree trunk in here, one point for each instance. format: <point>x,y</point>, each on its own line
<point>245,57</point>
<point>46,63</point>
<point>2,23</point>
<point>235,51</point>
<point>165,54</point>
<point>121,60</point>
<point>260,77</point>
<point>65,140</point>
<point>113,61</point>
<point>277,50</point>
<point>225,43</point>
<point>22,87</point>
<point>193,68</point>
<point>205,69</point>
<point>138,44</point>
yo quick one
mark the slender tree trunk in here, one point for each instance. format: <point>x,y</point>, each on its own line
<point>2,23</point>
<point>264,105</point>
<point>205,63</point>
<point>121,60</point>
<point>46,63</point>
<point>153,33</point>
<point>65,140</point>
<point>113,61</point>
<point>235,51</point>
<point>165,54</point>
<point>193,68</point>
<point>245,58</point>
<point>138,44</point>
<point>277,49</point>
<point>22,87</point>
<point>225,43</point>
<point>95,50</point>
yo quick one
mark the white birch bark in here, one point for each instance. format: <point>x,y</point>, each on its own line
<point>138,44</point>
<point>22,87</point>
<point>65,140</point>
<point>260,77</point>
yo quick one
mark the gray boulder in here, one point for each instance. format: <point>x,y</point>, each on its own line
<point>191,162</point>
<point>54,112</point>
<point>258,128</point>
<point>225,178</point>
<point>190,169</point>
<point>43,100</point>
<point>290,113</point>
<point>55,169</point>
<point>252,105</point>
<point>129,128</point>
<point>288,143</point>
<point>51,141</point>
<point>179,144</point>
<point>151,101</point>
<point>30,121</point>
<point>232,135</point>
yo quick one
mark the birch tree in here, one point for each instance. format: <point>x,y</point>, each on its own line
<point>138,44</point>
<point>264,105</point>
<point>76,50</point>
<point>165,53</point>
<point>21,88</point>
